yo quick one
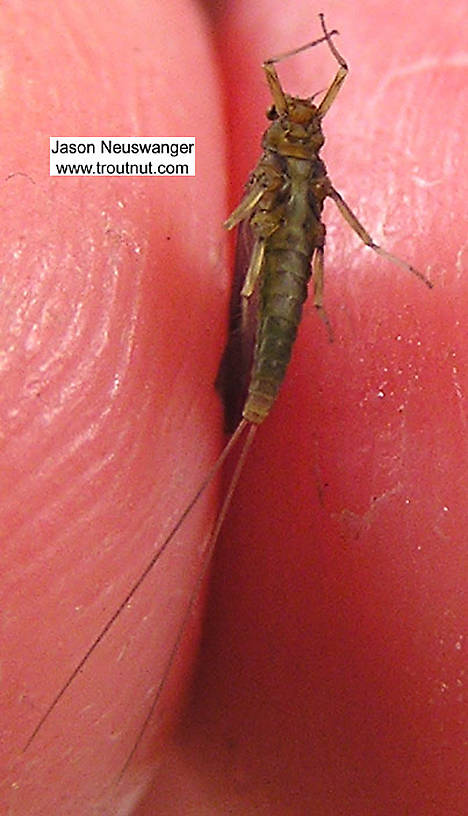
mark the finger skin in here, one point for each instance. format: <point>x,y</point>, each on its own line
<point>331,679</point>
<point>113,298</point>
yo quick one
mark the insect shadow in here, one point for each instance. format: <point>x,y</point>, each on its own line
<point>280,248</point>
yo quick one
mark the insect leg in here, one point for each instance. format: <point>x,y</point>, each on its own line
<point>340,77</point>
<point>255,269</point>
<point>247,205</point>
<point>317,280</point>
<point>279,97</point>
<point>356,225</point>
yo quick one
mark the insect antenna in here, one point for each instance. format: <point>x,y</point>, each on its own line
<point>143,575</point>
<point>207,553</point>
<point>287,54</point>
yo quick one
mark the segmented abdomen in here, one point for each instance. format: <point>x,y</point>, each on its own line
<point>283,291</point>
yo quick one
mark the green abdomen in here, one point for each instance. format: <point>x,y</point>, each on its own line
<point>283,292</point>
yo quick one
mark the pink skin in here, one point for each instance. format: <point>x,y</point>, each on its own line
<point>330,677</point>
<point>113,314</point>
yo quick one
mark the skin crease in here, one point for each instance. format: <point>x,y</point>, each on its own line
<point>330,676</point>
<point>113,311</point>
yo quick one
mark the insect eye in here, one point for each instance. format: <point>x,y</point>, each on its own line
<point>272,113</point>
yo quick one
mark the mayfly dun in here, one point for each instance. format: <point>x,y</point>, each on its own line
<point>280,247</point>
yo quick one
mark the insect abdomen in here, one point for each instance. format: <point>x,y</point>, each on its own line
<point>283,292</point>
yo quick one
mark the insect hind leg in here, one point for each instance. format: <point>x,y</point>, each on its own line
<point>318,282</point>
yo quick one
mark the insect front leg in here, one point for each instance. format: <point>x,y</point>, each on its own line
<point>340,77</point>
<point>266,178</point>
<point>356,225</point>
<point>247,205</point>
<point>279,97</point>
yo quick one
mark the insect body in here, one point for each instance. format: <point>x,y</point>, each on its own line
<point>280,247</point>
<point>282,207</point>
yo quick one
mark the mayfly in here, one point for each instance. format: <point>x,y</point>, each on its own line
<point>280,248</point>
